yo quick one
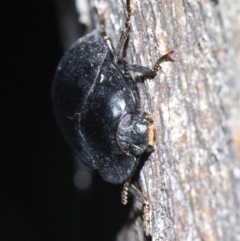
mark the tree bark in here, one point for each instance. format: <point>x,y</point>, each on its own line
<point>192,179</point>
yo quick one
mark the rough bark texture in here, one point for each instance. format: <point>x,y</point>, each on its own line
<point>192,179</point>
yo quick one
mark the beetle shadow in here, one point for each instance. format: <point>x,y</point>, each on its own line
<point>103,213</point>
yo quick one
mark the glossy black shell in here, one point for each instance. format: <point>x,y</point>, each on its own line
<point>90,96</point>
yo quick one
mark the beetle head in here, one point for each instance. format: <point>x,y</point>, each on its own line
<point>132,134</point>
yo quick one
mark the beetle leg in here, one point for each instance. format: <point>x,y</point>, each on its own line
<point>128,187</point>
<point>125,32</point>
<point>152,72</point>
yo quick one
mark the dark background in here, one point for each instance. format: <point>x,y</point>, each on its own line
<point>38,200</point>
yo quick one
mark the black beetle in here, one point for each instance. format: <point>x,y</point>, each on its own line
<point>96,104</point>
<point>97,112</point>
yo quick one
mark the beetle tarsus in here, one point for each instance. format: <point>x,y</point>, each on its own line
<point>124,194</point>
<point>164,58</point>
<point>146,218</point>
